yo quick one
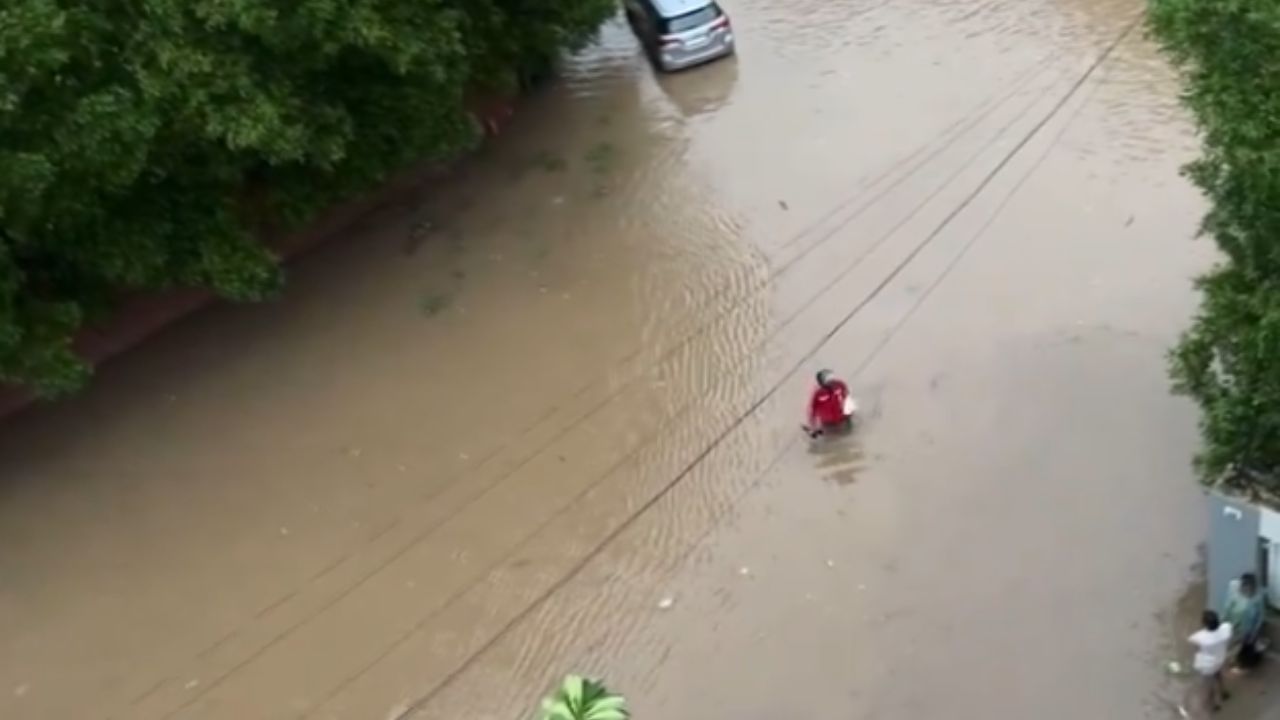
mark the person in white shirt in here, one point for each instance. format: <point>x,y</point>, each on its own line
<point>1211,641</point>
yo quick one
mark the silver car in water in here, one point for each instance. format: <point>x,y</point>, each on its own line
<point>679,34</point>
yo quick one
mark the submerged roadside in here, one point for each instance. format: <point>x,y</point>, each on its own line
<point>144,314</point>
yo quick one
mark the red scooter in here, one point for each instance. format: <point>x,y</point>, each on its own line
<point>832,410</point>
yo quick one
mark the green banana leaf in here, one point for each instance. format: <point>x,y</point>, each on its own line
<point>579,698</point>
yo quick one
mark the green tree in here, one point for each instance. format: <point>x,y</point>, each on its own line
<point>149,144</point>
<point>578,698</point>
<point>1229,359</point>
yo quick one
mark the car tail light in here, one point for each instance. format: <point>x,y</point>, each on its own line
<point>721,22</point>
<point>669,40</point>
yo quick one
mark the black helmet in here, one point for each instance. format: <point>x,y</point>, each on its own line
<point>824,377</point>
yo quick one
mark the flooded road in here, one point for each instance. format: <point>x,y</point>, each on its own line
<point>484,437</point>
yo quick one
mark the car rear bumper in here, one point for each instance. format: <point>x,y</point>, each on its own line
<point>673,60</point>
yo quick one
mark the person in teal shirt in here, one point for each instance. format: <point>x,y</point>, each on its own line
<point>1245,610</point>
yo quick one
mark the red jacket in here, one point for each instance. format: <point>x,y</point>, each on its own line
<point>826,407</point>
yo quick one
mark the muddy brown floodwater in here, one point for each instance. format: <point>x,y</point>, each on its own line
<point>483,437</point>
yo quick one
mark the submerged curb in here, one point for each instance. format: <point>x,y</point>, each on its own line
<point>146,314</point>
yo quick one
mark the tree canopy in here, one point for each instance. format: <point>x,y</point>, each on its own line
<point>1229,359</point>
<point>149,144</point>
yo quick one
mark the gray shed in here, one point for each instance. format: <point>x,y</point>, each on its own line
<point>1244,536</point>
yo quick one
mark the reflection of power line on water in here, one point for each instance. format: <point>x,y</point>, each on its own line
<point>738,421</point>
<point>982,111</point>
<point>959,129</point>
<point>952,135</point>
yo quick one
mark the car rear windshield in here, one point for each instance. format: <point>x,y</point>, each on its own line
<point>693,20</point>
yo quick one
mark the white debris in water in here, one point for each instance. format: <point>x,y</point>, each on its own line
<point>666,603</point>
<point>355,452</point>
<point>464,456</point>
<point>744,570</point>
<point>558,200</point>
<point>402,468</point>
<point>831,563</point>
<point>191,684</point>
<point>284,531</point>
<point>21,690</point>
<point>1174,667</point>
<point>862,587</point>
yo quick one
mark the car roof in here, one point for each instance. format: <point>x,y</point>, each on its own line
<point>676,8</point>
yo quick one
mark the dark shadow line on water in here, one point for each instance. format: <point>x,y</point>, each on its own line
<point>687,406</point>
<point>951,134</point>
<point>981,112</point>
<point>1004,202</point>
<point>755,406</point>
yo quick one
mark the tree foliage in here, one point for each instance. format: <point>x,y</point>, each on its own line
<point>148,144</point>
<point>1229,359</point>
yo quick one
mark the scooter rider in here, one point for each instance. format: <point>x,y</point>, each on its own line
<point>827,405</point>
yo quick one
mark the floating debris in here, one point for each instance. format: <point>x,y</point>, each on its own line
<point>433,304</point>
<point>666,603</point>
<point>422,228</point>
